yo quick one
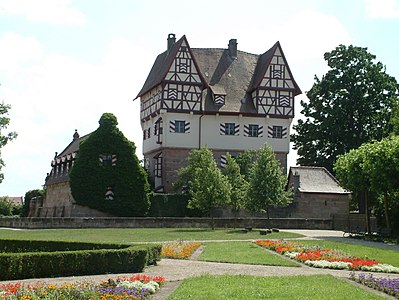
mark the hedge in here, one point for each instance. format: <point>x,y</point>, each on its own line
<point>79,262</point>
<point>7,245</point>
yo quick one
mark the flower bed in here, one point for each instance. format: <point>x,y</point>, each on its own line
<point>132,288</point>
<point>179,249</point>
<point>325,258</point>
<point>389,286</point>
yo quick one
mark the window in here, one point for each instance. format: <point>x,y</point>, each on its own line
<point>180,126</point>
<point>106,160</point>
<point>149,132</point>
<point>277,132</point>
<point>229,128</point>
<point>253,130</point>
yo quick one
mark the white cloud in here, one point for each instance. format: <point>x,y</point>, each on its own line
<point>382,9</point>
<point>17,50</point>
<point>47,11</point>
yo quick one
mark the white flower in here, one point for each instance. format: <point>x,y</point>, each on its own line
<point>152,286</point>
<point>385,268</point>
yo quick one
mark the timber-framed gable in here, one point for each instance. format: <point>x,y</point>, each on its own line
<point>227,99</point>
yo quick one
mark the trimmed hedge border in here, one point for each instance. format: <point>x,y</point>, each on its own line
<point>93,259</point>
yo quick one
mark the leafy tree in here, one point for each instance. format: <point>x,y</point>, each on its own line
<point>6,207</point>
<point>7,137</point>
<point>204,181</point>
<point>267,183</point>
<point>29,195</point>
<point>372,168</point>
<point>246,160</point>
<point>350,172</point>
<point>395,120</point>
<point>238,184</point>
<point>349,106</point>
<point>107,175</point>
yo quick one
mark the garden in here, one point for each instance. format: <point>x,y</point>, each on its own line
<point>236,248</point>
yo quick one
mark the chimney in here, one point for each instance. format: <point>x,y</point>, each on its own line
<point>76,135</point>
<point>233,48</point>
<point>171,40</point>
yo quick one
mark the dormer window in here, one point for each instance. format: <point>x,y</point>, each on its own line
<point>218,94</point>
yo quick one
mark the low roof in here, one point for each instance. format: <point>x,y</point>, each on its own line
<point>316,180</point>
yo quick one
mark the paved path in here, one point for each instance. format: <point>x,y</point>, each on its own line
<point>176,270</point>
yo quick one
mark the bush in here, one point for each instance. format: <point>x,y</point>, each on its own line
<point>5,207</point>
<point>20,246</point>
<point>126,259</point>
<point>107,175</point>
<point>171,205</point>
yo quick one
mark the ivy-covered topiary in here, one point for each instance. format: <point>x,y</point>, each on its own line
<point>107,175</point>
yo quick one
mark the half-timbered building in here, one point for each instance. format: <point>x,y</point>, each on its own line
<point>227,99</point>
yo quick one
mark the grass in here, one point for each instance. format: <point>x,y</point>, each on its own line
<point>252,287</point>
<point>128,235</point>
<point>384,256</point>
<point>244,253</point>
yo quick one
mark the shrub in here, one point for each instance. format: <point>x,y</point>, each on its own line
<point>107,175</point>
<point>121,259</point>
<point>5,207</point>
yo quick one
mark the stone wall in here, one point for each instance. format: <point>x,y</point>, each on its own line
<point>41,223</point>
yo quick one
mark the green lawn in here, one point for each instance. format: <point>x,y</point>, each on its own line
<point>252,287</point>
<point>244,253</point>
<point>384,256</point>
<point>127,235</point>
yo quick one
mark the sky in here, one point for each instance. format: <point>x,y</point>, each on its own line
<point>63,63</point>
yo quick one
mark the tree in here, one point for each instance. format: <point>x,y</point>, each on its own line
<point>107,174</point>
<point>203,180</point>
<point>350,172</point>
<point>7,137</point>
<point>372,168</point>
<point>246,160</point>
<point>238,184</point>
<point>350,105</point>
<point>267,183</point>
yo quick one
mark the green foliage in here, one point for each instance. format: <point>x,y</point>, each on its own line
<point>208,187</point>
<point>373,167</point>
<point>202,179</point>
<point>6,208</point>
<point>171,205</point>
<point>29,195</point>
<point>90,180</point>
<point>4,138</point>
<point>395,120</point>
<point>246,160</point>
<point>349,106</point>
<point>267,183</point>
<point>19,246</point>
<point>100,259</point>
<point>238,184</point>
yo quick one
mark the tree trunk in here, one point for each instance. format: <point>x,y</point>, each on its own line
<point>388,223</point>
<point>212,221</point>
<point>235,219</point>
<point>367,211</point>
